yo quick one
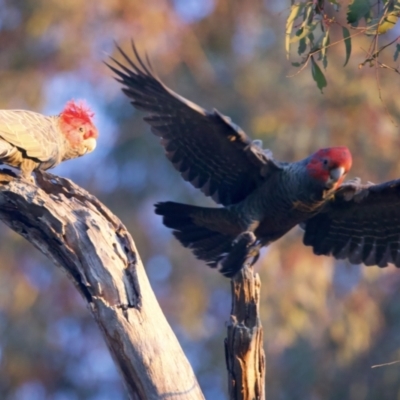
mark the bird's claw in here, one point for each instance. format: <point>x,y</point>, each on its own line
<point>352,182</point>
<point>247,238</point>
<point>238,256</point>
<point>28,178</point>
<point>353,189</point>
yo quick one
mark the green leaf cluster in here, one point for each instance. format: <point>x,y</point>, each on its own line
<point>357,10</point>
<point>309,25</point>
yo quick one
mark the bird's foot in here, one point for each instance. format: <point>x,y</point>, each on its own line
<point>243,247</point>
<point>28,177</point>
<point>245,237</point>
<point>352,182</point>
<point>353,189</point>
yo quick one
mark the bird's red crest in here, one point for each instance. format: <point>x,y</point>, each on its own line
<point>338,156</point>
<point>322,161</point>
<point>76,111</point>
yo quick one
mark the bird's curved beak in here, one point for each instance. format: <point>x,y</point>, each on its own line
<point>90,144</point>
<point>336,175</point>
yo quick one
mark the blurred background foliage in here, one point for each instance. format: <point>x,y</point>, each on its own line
<point>325,322</point>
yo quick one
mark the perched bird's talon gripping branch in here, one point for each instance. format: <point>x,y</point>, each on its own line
<point>31,141</point>
<point>259,195</point>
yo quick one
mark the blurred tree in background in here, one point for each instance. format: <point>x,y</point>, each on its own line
<point>325,322</point>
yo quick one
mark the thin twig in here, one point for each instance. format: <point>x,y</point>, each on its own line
<point>377,52</point>
<point>386,364</point>
<point>385,66</point>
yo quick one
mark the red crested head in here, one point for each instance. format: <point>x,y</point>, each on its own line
<point>77,126</point>
<point>330,166</point>
<point>78,113</point>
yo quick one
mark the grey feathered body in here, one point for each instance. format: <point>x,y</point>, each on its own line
<point>30,141</point>
<point>288,197</point>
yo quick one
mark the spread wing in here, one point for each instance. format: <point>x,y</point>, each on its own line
<point>29,131</point>
<point>361,224</point>
<point>210,152</point>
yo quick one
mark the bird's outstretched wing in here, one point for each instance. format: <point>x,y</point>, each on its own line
<point>361,224</point>
<point>210,152</point>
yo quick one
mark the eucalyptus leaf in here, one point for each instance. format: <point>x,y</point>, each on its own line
<point>397,52</point>
<point>318,75</point>
<point>304,31</point>
<point>347,44</point>
<point>324,49</point>
<point>295,12</point>
<point>302,46</point>
<point>382,24</point>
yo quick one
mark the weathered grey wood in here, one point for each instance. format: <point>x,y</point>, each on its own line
<point>244,351</point>
<point>86,240</point>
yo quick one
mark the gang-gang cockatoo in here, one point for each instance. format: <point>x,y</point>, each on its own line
<point>263,198</point>
<point>31,141</point>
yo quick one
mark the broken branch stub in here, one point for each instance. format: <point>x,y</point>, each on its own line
<point>245,357</point>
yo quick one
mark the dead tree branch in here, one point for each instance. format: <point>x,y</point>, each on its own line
<point>244,351</point>
<point>80,235</point>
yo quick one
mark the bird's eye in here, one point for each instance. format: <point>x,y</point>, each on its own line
<point>325,162</point>
<point>81,129</point>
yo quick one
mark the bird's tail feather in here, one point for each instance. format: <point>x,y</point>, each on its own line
<point>196,228</point>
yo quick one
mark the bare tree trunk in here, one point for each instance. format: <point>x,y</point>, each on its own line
<point>244,351</point>
<point>87,241</point>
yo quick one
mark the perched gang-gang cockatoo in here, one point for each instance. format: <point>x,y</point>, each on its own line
<point>31,141</point>
<point>263,198</point>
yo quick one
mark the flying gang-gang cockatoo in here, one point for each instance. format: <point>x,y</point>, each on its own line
<point>32,141</point>
<point>262,198</point>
